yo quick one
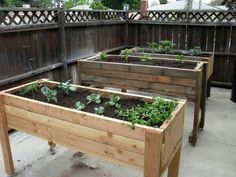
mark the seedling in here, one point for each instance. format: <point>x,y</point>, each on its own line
<point>180,59</point>
<point>67,87</point>
<point>195,51</point>
<point>79,105</point>
<point>125,53</point>
<point>146,58</point>
<point>50,94</point>
<point>113,101</point>
<point>166,46</point>
<point>100,110</point>
<point>96,98</point>
<point>102,56</point>
<point>33,88</point>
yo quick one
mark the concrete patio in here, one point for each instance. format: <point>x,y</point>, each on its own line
<point>213,156</point>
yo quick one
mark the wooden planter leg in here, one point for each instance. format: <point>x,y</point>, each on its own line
<point>5,143</point>
<point>173,169</point>
<point>209,86</point>
<point>52,146</point>
<point>152,154</point>
<point>193,136</point>
<point>203,97</point>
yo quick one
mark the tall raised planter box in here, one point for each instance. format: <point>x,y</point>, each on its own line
<point>205,57</point>
<point>178,82</point>
<point>151,150</point>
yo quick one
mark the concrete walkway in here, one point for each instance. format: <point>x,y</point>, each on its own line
<point>213,156</point>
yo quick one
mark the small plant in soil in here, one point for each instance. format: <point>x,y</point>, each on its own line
<point>100,110</point>
<point>166,46</point>
<point>67,87</point>
<point>96,98</point>
<point>153,45</point>
<point>146,58</point>
<point>31,89</point>
<point>125,53</point>
<point>79,105</point>
<point>180,59</point>
<point>113,101</point>
<point>150,114</point>
<point>195,51</point>
<point>50,94</point>
<point>102,56</point>
<point>141,50</point>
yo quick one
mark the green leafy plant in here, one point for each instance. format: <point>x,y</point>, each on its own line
<point>96,98</point>
<point>195,51</point>
<point>100,110</point>
<point>150,114</point>
<point>33,88</point>
<point>180,59</point>
<point>102,56</point>
<point>146,58</point>
<point>50,94</point>
<point>113,101</point>
<point>67,87</point>
<point>98,5</point>
<point>79,105</point>
<point>166,46</point>
<point>125,53</point>
<point>153,45</point>
<point>141,50</point>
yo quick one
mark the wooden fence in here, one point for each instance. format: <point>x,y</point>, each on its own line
<point>39,42</point>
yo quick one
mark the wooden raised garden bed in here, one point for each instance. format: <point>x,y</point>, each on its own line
<point>205,57</point>
<point>114,71</point>
<point>145,148</point>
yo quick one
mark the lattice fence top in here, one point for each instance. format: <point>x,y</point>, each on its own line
<point>186,16</point>
<point>27,16</point>
<point>86,16</point>
<point>17,17</point>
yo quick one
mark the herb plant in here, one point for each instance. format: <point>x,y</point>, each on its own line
<point>67,87</point>
<point>102,56</point>
<point>100,110</point>
<point>195,51</point>
<point>125,53</point>
<point>153,45</point>
<point>150,114</point>
<point>166,46</point>
<point>146,58</point>
<point>113,101</point>
<point>180,59</point>
<point>79,105</point>
<point>50,94</point>
<point>33,88</point>
<point>96,98</point>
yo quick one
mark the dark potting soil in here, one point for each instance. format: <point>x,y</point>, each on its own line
<point>172,64</point>
<point>81,95</point>
<point>174,52</point>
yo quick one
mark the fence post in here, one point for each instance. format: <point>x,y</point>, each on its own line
<point>61,24</point>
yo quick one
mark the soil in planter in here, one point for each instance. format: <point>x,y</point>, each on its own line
<point>172,64</point>
<point>81,95</point>
<point>174,52</point>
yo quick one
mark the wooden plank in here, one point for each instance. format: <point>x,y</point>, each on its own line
<point>77,143</point>
<point>102,123</point>
<point>82,131</point>
<point>173,169</point>
<point>139,84</point>
<point>139,77</point>
<point>135,68</point>
<point>172,135</point>
<point>164,93</point>
<point>152,158</point>
<point>4,138</point>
